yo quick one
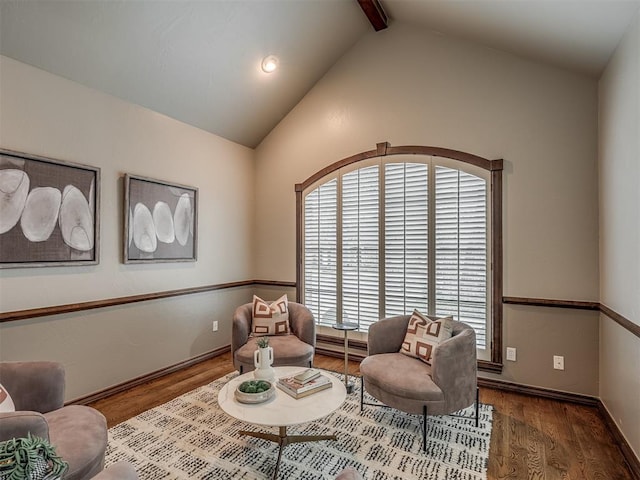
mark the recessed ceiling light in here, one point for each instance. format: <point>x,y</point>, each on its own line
<point>269,63</point>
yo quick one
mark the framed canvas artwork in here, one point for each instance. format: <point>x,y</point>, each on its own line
<point>161,221</point>
<point>49,212</point>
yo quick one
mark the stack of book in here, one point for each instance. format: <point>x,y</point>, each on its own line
<point>304,383</point>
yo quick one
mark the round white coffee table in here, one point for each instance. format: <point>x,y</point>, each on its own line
<point>282,410</point>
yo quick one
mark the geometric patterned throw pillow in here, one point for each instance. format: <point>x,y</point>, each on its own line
<point>424,334</point>
<point>270,318</point>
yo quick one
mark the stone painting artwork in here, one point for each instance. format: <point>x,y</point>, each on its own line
<point>48,212</point>
<point>160,221</point>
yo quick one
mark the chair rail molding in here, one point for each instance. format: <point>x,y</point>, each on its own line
<point>111,302</point>
<point>624,322</point>
<point>16,315</point>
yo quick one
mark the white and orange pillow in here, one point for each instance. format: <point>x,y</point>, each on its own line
<point>270,318</point>
<point>424,334</point>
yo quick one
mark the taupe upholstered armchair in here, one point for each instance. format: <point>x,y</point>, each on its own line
<point>408,384</point>
<point>296,348</point>
<point>78,433</point>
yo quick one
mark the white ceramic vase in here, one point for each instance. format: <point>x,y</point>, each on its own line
<point>262,360</point>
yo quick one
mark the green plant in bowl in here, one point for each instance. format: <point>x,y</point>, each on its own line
<point>254,391</point>
<point>254,386</point>
<point>263,342</point>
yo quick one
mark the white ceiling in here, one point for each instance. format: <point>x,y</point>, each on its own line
<point>198,61</point>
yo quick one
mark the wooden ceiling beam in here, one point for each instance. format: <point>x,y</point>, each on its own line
<point>374,12</point>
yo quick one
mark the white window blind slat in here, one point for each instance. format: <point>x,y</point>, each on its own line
<point>461,249</point>
<point>360,246</point>
<point>406,237</point>
<point>320,253</point>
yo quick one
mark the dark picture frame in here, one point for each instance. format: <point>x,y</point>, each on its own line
<point>160,221</point>
<point>49,212</point>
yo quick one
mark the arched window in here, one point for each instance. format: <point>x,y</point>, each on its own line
<point>383,233</point>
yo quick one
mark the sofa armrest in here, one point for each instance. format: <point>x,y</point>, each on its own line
<point>303,324</point>
<point>387,335</point>
<point>118,471</point>
<point>19,424</point>
<point>37,386</point>
<point>454,368</point>
<point>349,473</point>
<point>241,327</point>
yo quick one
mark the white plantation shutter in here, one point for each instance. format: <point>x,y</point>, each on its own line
<point>385,239</point>
<point>406,238</point>
<point>320,252</point>
<point>461,249</point>
<point>360,246</point>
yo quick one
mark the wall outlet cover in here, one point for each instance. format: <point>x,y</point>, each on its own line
<point>558,362</point>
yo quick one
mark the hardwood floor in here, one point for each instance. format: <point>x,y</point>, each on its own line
<point>533,438</point>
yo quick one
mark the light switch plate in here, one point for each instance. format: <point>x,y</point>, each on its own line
<point>511,354</point>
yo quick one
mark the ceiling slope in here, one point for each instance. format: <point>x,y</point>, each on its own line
<point>198,61</point>
<point>578,35</point>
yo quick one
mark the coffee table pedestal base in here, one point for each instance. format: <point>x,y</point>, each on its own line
<point>282,439</point>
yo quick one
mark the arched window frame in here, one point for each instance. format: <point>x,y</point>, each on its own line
<point>494,167</point>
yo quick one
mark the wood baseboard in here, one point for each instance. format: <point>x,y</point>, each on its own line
<point>355,356</point>
<point>538,391</point>
<point>633,462</point>
<point>357,348</point>
<point>148,377</point>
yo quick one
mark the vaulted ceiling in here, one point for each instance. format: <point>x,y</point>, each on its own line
<point>199,61</point>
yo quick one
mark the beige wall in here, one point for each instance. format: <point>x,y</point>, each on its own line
<point>619,152</point>
<point>47,115</point>
<point>539,334</point>
<point>412,87</point>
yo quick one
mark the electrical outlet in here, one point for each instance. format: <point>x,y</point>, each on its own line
<point>215,325</point>
<point>558,362</point>
<point>511,354</point>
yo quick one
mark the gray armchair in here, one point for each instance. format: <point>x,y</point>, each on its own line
<point>408,384</point>
<point>294,349</point>
<point>78,433</point>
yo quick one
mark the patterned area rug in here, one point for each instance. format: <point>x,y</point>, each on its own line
<point>190,437</point>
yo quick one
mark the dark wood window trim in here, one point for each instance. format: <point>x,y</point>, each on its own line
<point>494,166</point>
